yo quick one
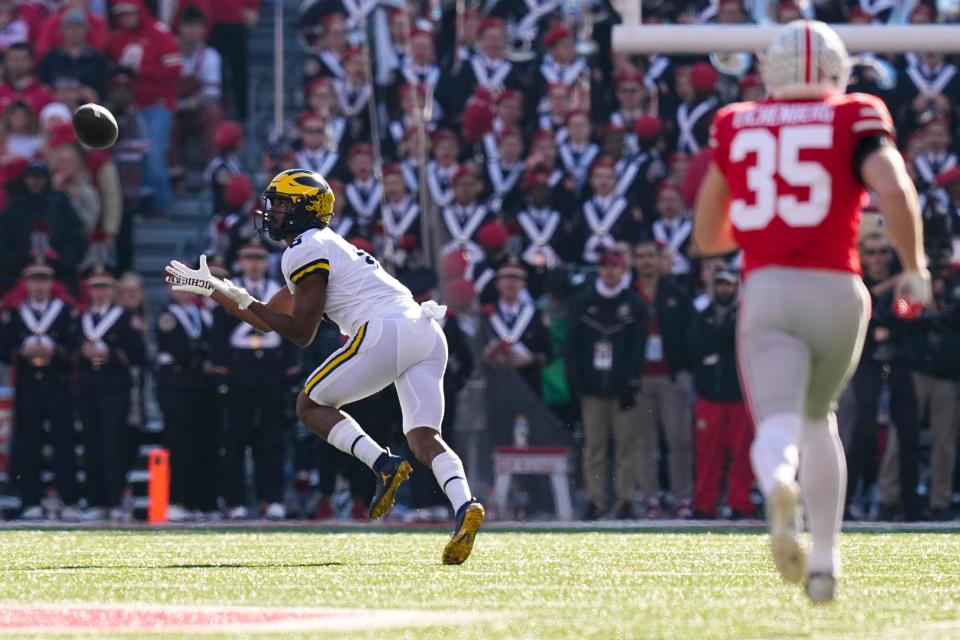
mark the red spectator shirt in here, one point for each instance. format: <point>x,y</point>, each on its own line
<point>795,199</point>
<point>36,94</point>
<point>50,35</point>
<point>230,11</point>
<point>33,13</point>
<point>155,82</point>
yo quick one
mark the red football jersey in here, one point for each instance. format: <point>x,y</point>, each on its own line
<point>795,199</point>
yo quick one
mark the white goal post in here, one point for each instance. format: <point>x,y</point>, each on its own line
<point>634,37</point>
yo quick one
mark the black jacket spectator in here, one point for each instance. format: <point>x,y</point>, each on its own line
<point>112,344</point>
<point>62,331</point>
<point>711,346</point>
<point>125,348</point>
<point>38,219</point>
<point>460,364</point>
<point>260,370</point>
<point>250,359</point>
<point>36,339</point>
<point>515,334</point>
<point>621,322</point>
<point>933,345</point>
<point>927,84</point>
<point>183,347</point>
<point>674,310</point>
<point>184,394</point>
<point>884,362</point>
<point>89,68</point>
<point>886,334</point>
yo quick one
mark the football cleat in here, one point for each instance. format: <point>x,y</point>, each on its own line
<point>783,517</point>
<point>71,514</point>
<point>358,511</point>
<point>469,518</point>
<point>324,511</point>
<point>821,587</point>
<point>238,513</point>
<point>652,509</point>
<point>176,513</point>
<point>33,512</point>
<point>391,472</point>
<point>276,511</point>
<point>684,509</point>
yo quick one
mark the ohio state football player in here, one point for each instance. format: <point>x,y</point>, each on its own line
<point>786,184</point>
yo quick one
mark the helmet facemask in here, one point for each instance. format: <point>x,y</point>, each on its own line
<point>276,231</point>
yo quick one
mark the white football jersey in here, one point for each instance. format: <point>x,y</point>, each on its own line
<point>358,289</point>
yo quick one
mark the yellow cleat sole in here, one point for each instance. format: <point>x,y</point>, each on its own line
<point>461,544</point>
<point>387,501</point>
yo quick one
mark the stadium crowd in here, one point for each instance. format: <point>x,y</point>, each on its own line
<point>505,161</point>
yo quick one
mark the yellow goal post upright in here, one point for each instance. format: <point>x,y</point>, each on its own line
<point>632,36</point>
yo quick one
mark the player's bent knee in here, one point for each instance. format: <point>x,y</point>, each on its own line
<point>307,409</point>
<point>425,444</point>
<point>304,404</point>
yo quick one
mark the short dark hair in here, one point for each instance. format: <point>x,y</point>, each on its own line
<point>874,236</point>
<point>193,15</point>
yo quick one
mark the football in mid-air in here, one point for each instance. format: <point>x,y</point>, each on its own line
<point>95,126</point>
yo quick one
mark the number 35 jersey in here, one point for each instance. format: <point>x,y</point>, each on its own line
<point>795,194</point>
<point>358,289</point>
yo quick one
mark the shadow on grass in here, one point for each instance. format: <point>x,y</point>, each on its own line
<point>204,565</point>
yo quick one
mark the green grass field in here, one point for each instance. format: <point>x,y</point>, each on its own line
<point>529,585</point>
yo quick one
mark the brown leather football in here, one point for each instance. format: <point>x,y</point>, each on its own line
<point>95,126</point>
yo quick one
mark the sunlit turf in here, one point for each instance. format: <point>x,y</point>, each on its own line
<point>532,585</point>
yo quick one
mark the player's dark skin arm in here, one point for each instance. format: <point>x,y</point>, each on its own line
<point>281,302</point>
<point>299,324</point>
<point>294,318</point>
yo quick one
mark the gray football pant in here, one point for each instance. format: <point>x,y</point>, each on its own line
<point>801,332</point>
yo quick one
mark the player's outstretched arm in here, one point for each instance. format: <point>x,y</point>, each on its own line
<point>883,171</point>
<point>712,232</point>
<point>298,323</point>
<point>281,302</point>
<point>234,299</point>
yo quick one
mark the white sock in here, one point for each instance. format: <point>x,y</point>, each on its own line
<point>448,469</point>
<point>774,452</point>
<point>823,485</point>
<point>347,436</point>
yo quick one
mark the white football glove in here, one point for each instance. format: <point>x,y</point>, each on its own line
<point>183,278</point>
<point>239,295</point>
<point>431,309</point>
